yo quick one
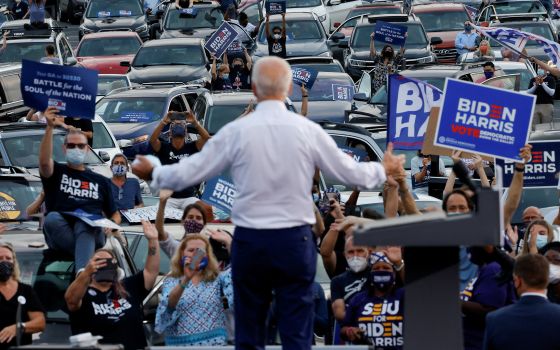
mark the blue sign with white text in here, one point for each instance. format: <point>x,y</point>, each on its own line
<point>390,33</point>
<point>220,193</point>
<point>410,102</point>
<point>484,119</point>
<point>70,89</point>
<point>191,11</point>
<point>359,155</point>
<point>222,38</point>
<point>275,7</point>
<point>342,92</point>
<point>541,170</point>
<point>305,76</point>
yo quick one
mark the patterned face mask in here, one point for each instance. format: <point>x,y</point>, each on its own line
<point>192,226</point>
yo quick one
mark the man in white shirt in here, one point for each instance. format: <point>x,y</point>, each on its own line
<point>272,154</point>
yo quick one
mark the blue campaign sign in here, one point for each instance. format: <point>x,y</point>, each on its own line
<point>541,170</point>
<point>189,12</point>
<point>275,7</point>
<point>136,116</point>
<point>71,89</point>
<point>220,192</point>
<point>359,155</point>
<point>235,47</point>
<point>390,33</point>
<point>484,119</point>
<point>103,14</point>
<point>92,219</point>
<point>410,102</point>
<point>222,38</point>
<point>305,76</point>
<point>342,92</point>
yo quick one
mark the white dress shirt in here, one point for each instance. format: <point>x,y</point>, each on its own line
<point>272,154</point>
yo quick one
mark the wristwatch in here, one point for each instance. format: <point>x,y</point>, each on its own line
<point>22,326</point>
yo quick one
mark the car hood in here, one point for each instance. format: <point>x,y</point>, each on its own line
<point>106,64</point>
<point>153,74</point>
<point>131,130</point>
<point>448,38</point>
<point>202,33</point>
<point>299,48</point>
<point>325,110</point>
<point>409,53</point>
<point>113,23</point>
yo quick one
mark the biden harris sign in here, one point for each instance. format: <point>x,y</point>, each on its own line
<point>484,119</point>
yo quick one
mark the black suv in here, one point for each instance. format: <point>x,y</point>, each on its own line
<point>114,15</point>
<point>356,53</point>
<point>177,24</point>
<point>12,107</point>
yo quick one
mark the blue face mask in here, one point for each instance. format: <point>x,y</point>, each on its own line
<point>468,28</point>
<point>119,170</point>
<point>316,197</point>
<point>542,240</point>
<point>541,72</point>
<point>225,76</point>
<point>488,75</point>
<point>382,280</point>
<point>75,156</point>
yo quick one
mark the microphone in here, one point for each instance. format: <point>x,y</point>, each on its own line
<point>21,301</point>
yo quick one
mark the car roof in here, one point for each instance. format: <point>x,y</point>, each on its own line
<point>226,97</point>
<point>310,59</point>
<point>332,75</point>
<point>146,91</point>
<point>114,34</point>
<point>196,4</point>
<point>438,7</point>
<point>172,41</point>
<point>17,129</point>
<point>365,20</point>
<point>295,16</point>
<point>541,22</point>
<point>377,4</point>
<point>29,240</point>
<point>545,135</point>
<point>19,23</point>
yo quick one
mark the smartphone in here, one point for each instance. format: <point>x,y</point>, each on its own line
<point>108,272</point>
<point>199,256</point>
<point>177,116</point>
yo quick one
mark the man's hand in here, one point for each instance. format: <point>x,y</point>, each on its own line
<point>354,333</point>
<point>477,162</point>
<point>51,113</point>
<point>392,163</point>
<point>93,265</point>
<point>150,231</point>
<point>142,168</point>
<point>456,156</point>
<point>7,334</point>
<point>394,254</point>
<point>165,195</point>
<point>525,154</point>
<point>190,117</point>
<point>167,119</point>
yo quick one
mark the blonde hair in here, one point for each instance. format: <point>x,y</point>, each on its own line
<point>16,274</point>
<point>526,238</point>
<point>209,273</point>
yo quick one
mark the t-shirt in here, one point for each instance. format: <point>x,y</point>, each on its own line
<point>276,47</point>
<point>542,96</point>
<point>19,9</point>
<point>8,311</point>
<point>117,321</point>
<point>240,78</point>
<point>485,290</point>
<point>219,84</point>
<point>68,189</point>
<point>84,125</point>
<point>128,196</point>
<point>348,284</point>
<point>381,319</point>
<point>416,167</point>
<point>169,155</point>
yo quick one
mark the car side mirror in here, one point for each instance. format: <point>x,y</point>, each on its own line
<point>70,61</point>
<point>337,36</point>
<point>361,96</point>
<point>104,156</point>
<point>344,44</point>
<point>436,40</point>
<point>125,64</point>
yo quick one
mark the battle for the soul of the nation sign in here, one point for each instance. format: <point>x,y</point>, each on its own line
<point>390,33</point>
<point>305,76</point>
<point>541,170</point>
<point>72,90</point>
<point>484,119</point>
<point>275,7</point>
<point>222,38</point>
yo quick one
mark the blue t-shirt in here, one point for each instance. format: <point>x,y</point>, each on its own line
<point>381,319</point>
<point>128,196</point>
<point>37,12</point>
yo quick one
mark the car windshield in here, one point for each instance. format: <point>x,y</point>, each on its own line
<point>15,51</point>
<point>302,3</point>
<point>297,30</point>
<point>538,197</point>
<point>322,89</point>
<point>320,67</point>
<point>376,10</point>
<point>207,17</point>
<point>518,7</point>
<point>108,46</point>
<point>220,115</point>
<point>23,150</point>
<point>15,195</point>
<point>361,37</point>
<point>101,136</point>
<point>542,29</point>
<point>443,21</point>
<point>380,96</point>
<point>110,83</point>
<point>130,110</point>
<point>114,8</point>
<point>187,55</point>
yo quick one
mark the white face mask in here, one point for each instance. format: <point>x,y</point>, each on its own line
<point>554,274</point>
<point>542,240</point>
<point>357,263</point>
<point>277,36</point>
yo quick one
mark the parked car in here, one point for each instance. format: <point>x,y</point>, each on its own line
<point>18,189</point>
<point>71,10</point>
<point>381,7</point>
<point>104,51</point>
<point>499,9</point>
<point>11,106</point>
<point>109,82</point>
<point>114,15</point>
<point>177,24</point>
<point>338,10</point>
<point>321,64</point>
<point>540,27</point>
<point>180,60</point>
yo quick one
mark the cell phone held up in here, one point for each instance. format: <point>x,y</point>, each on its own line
<point>199,260</point>
<point>177,116</point>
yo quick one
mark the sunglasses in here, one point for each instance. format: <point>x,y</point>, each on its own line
<point>74,145</point>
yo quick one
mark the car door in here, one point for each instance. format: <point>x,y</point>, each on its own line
<point>338,40</point>
<point>254,13</point>
<point>338,10</point>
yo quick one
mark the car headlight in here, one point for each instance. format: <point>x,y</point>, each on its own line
<point>200,81</point>
<point>140,139</point>
<point>142,28</point>
<point>325,54</point>
<point>427,59</point>
<point>360,63</point>
<point>85,29</point>
<point>323,17</point>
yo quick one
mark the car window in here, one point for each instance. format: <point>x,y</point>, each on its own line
<point>141,252</point>
<point>15,51</point>
<point>107,84</point>
<point>200,109</point>
<point>322,89</point>
<point>207,17</point>
<point>169,55</point>
<point>220,115</point>
<point>101,137</point>
<point>130,110</point>
<point>439,21</point>
<point>114,8</point>
<point>302,3</point>
<point>321,67</point>
<point>177,104</point>
<point>518,7</point>
<point>297,30</point>
<point>541,29</point>
<point>15,195</point>
<point>538,197</point>
<point>65,49</point>
<point>11,88</point>
<point>253,13</point>
<point>362,36</point>
<point>108,46</point>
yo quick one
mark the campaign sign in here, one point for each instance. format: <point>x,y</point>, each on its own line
<point>125,13</point>
<point>92,219</point>
<point>410,102</point>
<point>189,12</point>
<point>275,7</point>
<point>484,119</point>
<point>103,14</point>
<point>390,33</point>
<point>222,38</point>
<point>342,92</point>
<point>136,116</point>
<point>541,170</point>
<point>71,89</point>
<point>149,213</point>
<point>235,47</point>
<point>220,193</point>
<point>305,76</point>
<point>359,155</point>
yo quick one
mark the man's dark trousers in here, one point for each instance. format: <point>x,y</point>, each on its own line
<point>283,260</point>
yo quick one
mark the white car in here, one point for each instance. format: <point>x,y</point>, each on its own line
<point>315,6</point>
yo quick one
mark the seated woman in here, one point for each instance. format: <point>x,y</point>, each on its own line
<point>192,307</point>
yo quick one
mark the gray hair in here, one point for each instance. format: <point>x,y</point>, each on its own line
<point>272,76</point>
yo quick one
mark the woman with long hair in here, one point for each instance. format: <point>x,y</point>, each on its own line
<point>538,234</point>
<point>192,306</point>
<point>384,64</point>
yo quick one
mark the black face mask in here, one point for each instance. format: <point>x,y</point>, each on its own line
<point>388,54</point>
<point>6,270</point>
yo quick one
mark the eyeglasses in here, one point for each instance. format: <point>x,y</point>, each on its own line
<point>74,145</point>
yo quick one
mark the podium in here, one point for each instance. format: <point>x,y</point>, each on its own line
<point>432,312</point>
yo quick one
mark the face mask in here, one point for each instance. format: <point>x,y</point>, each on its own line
<point>178,130</point>
<point>382,280</point>
<point>192,226</point>
<point>75,156</point>
<point>484,50</point>
<point>119,170</point>
<point>488,75</point>
<point>225,76</point>
<point>541,72</point>
<point>6,270</point>
<point>277,36</point>
<point>357,263</point>
<point>542,240</point>
<point>388,54</point>
<point>237,66</point>
<point>554,274</point>
<point>468,28</point>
